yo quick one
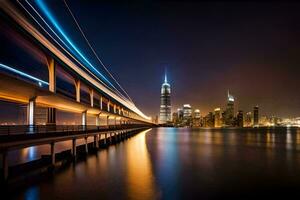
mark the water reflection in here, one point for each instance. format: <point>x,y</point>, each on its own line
<point>140,180</point>
<point>170,163</point>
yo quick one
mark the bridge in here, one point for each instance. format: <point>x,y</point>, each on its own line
<point>73,84</point>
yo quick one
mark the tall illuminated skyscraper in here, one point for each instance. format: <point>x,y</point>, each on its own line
<point>229,112</point>
<point>165,102</point>
<point>255,116</point>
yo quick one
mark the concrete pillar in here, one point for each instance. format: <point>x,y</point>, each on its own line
<point>98,120</point>
<point>51,116</point>
<point>108,106</point>
<point>97,140</point>
<point>105,138</point>
<point>52,152</point>
<point>31,112</point>
<point>74,148</point>
<point>107,120</point>
<point>86,144</point>
<point>5,165</point>
<point>96,144</point>
<point>110,138</point>
<point>77,88</point>
<point>92,97</point>
<point>115,108</point>
<point>52,74</point>
<point>84,118</point>
<point>101,100</point>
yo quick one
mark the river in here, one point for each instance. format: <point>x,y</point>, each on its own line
<point>178,163</point>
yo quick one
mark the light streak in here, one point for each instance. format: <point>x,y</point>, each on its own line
<point>13,13</point>
<point>23,74</point>
<point>115,89</point>
<point>96,55</point>
<point>45,9</point>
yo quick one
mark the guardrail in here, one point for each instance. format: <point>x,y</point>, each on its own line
<point>39,129</point>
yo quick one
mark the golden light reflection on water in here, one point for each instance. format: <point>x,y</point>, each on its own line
<point>140,177</point>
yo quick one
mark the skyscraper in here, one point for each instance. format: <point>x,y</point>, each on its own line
<point>240,118</point>
<point>255,116</point>
<point>229,112</point>
<point>165,102</point>
<point>217,120</point>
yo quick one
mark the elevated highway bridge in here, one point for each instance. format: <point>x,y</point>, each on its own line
<point>89,92</point>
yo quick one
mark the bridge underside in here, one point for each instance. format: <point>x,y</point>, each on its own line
<point>18,91</point>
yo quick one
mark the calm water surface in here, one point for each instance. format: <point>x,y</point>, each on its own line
<point>169,163</point>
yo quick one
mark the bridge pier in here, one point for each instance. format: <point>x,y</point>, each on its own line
<point>97,140</point>
<point>51,116</point>
<point>86,145</point>
<point>98,120</point>
<point>31,112</point>
<point>105,138</point>
<point>74,148</point>
<point>5,165</point>
<point>110,138</point>
<point>84,119</point>
<point>96,143</point>
<point>52,152</point>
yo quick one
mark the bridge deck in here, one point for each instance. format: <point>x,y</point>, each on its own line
<point>24,139</point>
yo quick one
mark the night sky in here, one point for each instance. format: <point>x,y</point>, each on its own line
<point>252,49</point>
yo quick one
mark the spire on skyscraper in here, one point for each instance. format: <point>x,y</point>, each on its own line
<point>166,79</point>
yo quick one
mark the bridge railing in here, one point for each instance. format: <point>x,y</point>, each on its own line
<point>26,129</point>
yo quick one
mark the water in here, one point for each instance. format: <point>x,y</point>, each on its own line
<point>169,163</point>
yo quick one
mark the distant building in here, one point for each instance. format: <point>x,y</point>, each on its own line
<point>217,118</point>
<point>196,122</point>
<point>187,114</point>
<point>196,113</point>
<point>248,120</point>
<point>255,116</point>
<point>229,112</point>
<point>240,118</point>
<point>187,111</point>
<point>175,119</point>
<point>180,114</point>
<point>208,120</point>
<point>165,102</point>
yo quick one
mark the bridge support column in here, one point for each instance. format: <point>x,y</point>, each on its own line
<point>52,74</point>
<point>110,138</point>
<point>98,120</point>
<point>5,166</point>
<point>101,105</point>
<point>107,120</point>
<point>86,145</point>
<point>77,88</point>
<point>92,97</point>
<point>84,119</point>
<point>97,140</point>
<point>52,152</point>
<point>74,148</point>
<point>116,137</point>
<point>105,138</point>
<point>31,112</point>
<point>51,116</point>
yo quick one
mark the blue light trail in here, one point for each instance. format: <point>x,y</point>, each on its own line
<point>23,74</point>
<point>46,11</point>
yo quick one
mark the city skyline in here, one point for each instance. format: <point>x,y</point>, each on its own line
<point>149,100</point>
<point>250,48</point>
<point>207,51</point>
